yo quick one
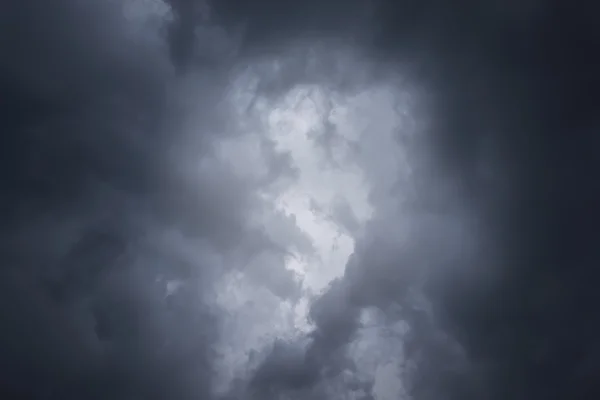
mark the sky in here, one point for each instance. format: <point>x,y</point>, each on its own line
<point>286,200</point>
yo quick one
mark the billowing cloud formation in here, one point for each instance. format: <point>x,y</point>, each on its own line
<point>289,200</point>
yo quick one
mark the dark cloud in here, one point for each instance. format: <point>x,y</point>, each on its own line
<point>100,211</point>
<point>120,217</point>
<point>527,87</point>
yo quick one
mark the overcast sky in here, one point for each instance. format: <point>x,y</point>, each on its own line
<point>290,200</point>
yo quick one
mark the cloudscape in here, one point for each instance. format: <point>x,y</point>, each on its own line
<point>290,200</point>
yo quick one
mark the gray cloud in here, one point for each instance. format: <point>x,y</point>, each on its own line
<point>144,256</point>
<point>105,207</point>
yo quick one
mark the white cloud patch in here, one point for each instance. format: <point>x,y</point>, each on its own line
<point>335,142</point>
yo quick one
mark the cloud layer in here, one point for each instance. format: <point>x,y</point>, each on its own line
<point>289,200</point>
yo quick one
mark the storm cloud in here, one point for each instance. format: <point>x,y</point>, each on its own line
<point>290,200</point>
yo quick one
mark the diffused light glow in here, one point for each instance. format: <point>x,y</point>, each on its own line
<point>295,125</point>
<point>326,136</point>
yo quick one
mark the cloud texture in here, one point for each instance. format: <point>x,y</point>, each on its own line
<point>298,200</point>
